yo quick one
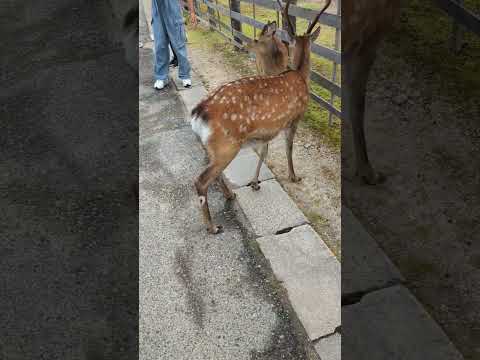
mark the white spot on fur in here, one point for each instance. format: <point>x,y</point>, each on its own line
<point>200,127</point>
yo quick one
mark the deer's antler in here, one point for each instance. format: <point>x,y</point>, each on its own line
<point>314,22</point>
<point>290,29</point>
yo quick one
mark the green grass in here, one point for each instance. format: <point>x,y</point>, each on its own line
<point>423,36</point>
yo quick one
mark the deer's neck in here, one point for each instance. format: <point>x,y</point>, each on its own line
<point>302,62</point>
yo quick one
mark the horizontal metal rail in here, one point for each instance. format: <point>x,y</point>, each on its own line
<point>319,50</point>
<point>461,15</point>
<point>294,10</point>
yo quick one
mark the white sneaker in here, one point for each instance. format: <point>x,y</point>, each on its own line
<point>159,84</point>
<point>187,83</point>
<point>151,37</point>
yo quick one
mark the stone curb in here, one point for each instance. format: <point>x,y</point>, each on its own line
<point>391,324</point>
<point>310,273</point>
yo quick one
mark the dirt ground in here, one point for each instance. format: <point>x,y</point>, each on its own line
<point>318,194</point>
<point>427,144</point>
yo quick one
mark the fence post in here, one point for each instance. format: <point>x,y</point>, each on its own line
<point>211,18</point>
<point>456,40</point>
<point>335,65</point>
<point>236,25</point>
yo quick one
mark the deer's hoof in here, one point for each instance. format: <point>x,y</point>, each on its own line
<point>295,179</point>
<point>372,178</point>
<point>255,186</point>
<point>215,229</point>
<point>231,196</point>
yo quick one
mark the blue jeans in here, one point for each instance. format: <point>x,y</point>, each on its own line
<point>167,25</point>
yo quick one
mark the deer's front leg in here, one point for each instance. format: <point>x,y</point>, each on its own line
<point>289,135</point>
<point>356,70</point>
<point>229,194</point>
<point>263,155</point>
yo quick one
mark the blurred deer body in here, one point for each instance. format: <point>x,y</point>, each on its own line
<point>252,109</point>
<point>364,25</point>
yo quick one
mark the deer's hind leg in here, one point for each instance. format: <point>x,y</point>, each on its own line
<point>263,155</point>
<point>220,156</point>
<point>289,135</point>
<point>355,76</point>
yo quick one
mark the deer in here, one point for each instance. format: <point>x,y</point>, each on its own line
<point>253,109</point>
<point>271,58</point>
<point>364,24</point>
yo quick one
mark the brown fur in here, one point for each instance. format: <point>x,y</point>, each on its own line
<point>271,54</point>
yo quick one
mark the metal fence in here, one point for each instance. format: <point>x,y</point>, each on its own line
<point>461,17</point>
<point>211,13</point>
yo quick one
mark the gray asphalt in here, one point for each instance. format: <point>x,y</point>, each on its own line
<point>201,296</point>
<point>67,151</point>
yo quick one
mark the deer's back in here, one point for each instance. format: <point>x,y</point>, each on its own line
<point>255,108</point>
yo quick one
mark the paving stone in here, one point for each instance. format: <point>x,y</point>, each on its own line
<point>310,273</point>
<point>269,209</point>
<point>191,97</point>
<point>180,166</point>
<point>365,266</point>
<point>242,169</point>
<point>329,348</point>
<point>391,324</point>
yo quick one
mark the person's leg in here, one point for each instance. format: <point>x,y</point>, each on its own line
<point>147,6</point>
<point>176,33</point>
<point>161,52</point>
<point>174,61</point>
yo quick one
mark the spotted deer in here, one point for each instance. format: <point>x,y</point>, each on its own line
<point>271,58</point>
<point>364,25</point>
<point>253,109</point>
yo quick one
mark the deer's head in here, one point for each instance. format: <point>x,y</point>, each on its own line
<point>271,54</point>
<point>302,43</point>
<point>299,42</point>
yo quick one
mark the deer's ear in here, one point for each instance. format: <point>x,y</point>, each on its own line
<point>314,35</point>
<point>264,30</point>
